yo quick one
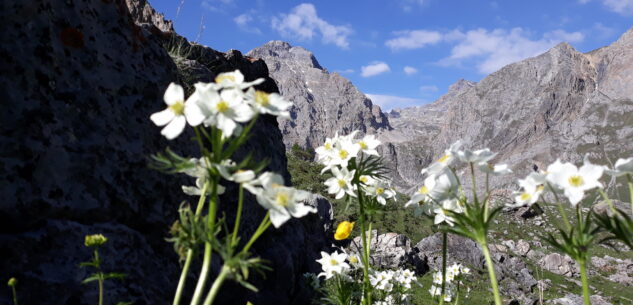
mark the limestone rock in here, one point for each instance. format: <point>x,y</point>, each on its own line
<point>324,103</point>
<point>390,250</point>
<point>559,264</point>
<point>573,299</point>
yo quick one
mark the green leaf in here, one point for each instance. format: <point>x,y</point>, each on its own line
<point>93,277</point>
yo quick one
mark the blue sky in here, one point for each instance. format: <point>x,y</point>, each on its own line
<point>404,52</point>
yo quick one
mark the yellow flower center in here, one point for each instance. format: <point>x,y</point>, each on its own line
<point>282,199</point>
<point>443,159</point>
<point>222,106</point>
<point>540,188</point>
<point>178,108</point>
<point>363,179</point>
<point>525,197</point>
<point>221,78</point>
<point>380,191</point>
<point>262,98</point>
<point>341,182</point>
<point>353,259</point>
<point>275,185</point>
<point>333,262</point>
<point>423,190</point>
<point>328,146</point>
<point>343,154</point>
<point>362,144</point>
<point>576,181</point>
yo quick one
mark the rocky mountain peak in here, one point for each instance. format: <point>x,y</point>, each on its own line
<point>460,85</point>
<point>282,49</point>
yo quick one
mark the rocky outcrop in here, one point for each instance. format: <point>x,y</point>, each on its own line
<point>561,104</point>
<point>573,299</point>
<point>324,103</point>
<point>74,142</point>
<point>390,250</point>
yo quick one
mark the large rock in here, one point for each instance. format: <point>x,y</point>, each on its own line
<point>560,104</point>
<point>325,103</point>
<point>574,299</point>
<point>390,250</point>
<point>83,78</point>
<point>559,264</point>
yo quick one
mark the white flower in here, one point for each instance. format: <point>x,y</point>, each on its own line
<point>333,264</point>
<point>573,181</point>
<point>224,109</point>
<point>622,167</point>
<point>532,188</point>
<point>177,113</point>
<point>281,201</point>
<point>201,173</point>
<point>495,170</point>
<point>382,191</point>
<point>268,103</point>
<point>367,180</point>
<point>324,153</point>
<point>368,145</point>
<point>445,186</point>
<point>423,193</point>
<point>234,79</point>
<point>477,156</point>
<point>446,160</point>
<point>435,291</point>
<point>441,212</point>
<point>355,261</point>
<point>344,150</point>
<point>341,183</point>
<point>464,270</point>
<point>227,171</point>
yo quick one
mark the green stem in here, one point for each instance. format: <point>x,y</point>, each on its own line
<point>215,288</point>
<point>206,263</point>
<point>630,182</point>
<point>183,277</point>
<point>366,286</point>
<point>472,172</point>
<point>238,214</point>
<point>491,273</point>
<point>15,295</point>
<point>607,199</point>
<point>486,203</point>
<point>101,289</point>
<point>585,282</point>
<point>258,232</point>
<point>444,259</point>
<point>559,204</point>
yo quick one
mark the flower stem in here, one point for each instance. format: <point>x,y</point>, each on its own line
<point>258,232</point>
<point>444,259</point>
<point>366,293</point>
<point>215,288</point>
<point>559,204</point>
<point>472,172</point>
<point>101,290</point>
<point>630,182</point>
<point>238,214</point>
<point>100,278</point>
<point>585,282</point>
<point>491,273</point>
<point>607,199</point>
<point>183,277</point>
<point>15,295</point>
<point>206,263</point>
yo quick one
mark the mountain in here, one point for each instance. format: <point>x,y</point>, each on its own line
<point>560,104</point>
<point>324,103</point>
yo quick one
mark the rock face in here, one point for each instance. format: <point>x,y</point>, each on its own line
<point>561,104</point>
<point>390,250</point>
<point>74,145</point>
<point>324,103</point>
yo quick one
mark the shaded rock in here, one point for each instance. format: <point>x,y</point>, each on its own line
<point>559,264</point>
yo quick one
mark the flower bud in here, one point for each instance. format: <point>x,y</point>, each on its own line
<point>343,230</point>
<point>95,240</point>
<point>12,282</point>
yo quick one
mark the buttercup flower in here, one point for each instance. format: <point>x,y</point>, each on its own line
<point>343,230</point>
<point>341,183</point>
<point>12,282</point>
<point>573,181</point>
<point>621,168</point>
<point>333,264</point>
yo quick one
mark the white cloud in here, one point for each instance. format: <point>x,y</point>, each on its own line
<point>413,39</point>
<point>375,68</point>
<point>304,23</point>
<point>408,5</point>
<point>243,22</point>
<point>388,102</point>
<point>497,48</point>
<point>410,70</point>
<point>346,71</point>
<point>622,7</point>
<point>430,88</point>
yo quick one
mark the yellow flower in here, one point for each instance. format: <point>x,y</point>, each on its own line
<point>343,230</point>
<point>95,240</point>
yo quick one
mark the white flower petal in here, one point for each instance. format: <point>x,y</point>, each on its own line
<point>173,94</point>
<point>174,128</point>
<point>163,117</point>
<point>278,217</point>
